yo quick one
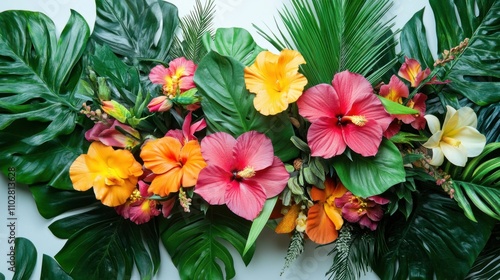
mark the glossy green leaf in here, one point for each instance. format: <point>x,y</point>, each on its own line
<point>129,28</point>
<point>487,263</point>
<point>193,241</point>
<point>234,42</point>
<point>368,176</point>
<point>84,256</point>
<point>228,106</point>
<point>259,223</point>
<point>51,270</point>
<point>436,237</point>
<point>38,77</point>
<point>52,202</point>
<point>479,183</point>
<point>474,72</point>
<point>25,259</point>
<point>395,108</point>
<point>414,40</point>
<point>2,277</point>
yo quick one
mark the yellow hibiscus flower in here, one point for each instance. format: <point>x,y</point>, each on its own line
<point>275,80</point>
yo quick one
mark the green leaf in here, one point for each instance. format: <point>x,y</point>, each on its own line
<point>25,259</point>
<point>52,202</point>
<point>336,35</point>
<point>228,106</point>
<point>414,41</point>
<point>193,241</point>
<point>435,238</point>
<point>486,264</point>
<point>47,163</point>
<point>234,42</point>
<point>51,270</point>
<point>479,182</point>
<point>2,277</point>
<point>368,176</point>
<point>395,108</point>
<point>259,223</point>
<point>103,245</point>
<point>38,77</point>
<point>129,28</point>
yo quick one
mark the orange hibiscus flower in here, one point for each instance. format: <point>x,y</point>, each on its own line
<point>112,173</point>
<point>324,219</point>
<point>174,164</point>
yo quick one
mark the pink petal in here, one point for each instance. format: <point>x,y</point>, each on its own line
<point>181,64</point>
<point>351,88</point>
<point>253,149</point>
<point>93,133</point>
<point>273,179</point>
<point>363,140</point>
<point>372,109</point>
<point>246,199</point>
<point>158,74</point>
<point>186,83</point>
<point>366,222</point>
<point>350,213</point>
<point>217,149</point>
<point>177,134</point>
<point>212,183</point>
<point>325,138</point>
<point>319,101</point>
<point>167,207</point>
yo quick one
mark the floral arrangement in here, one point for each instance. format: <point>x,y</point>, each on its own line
<point>198,139</point>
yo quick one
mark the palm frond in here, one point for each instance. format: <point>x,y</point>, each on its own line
<point>295,248</point>
<point>193,26</point>
<point>337,35</point>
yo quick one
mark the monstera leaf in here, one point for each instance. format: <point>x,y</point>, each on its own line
<point>129,28</point>
<point>39,75</point>
<point>474,73</point>
<point>228,106</point>
<point>479,182</point>
<point>437,235</point>
<point>194,242</point>
<point>25,259</point>
<point>487,263</point>
<point>103,245</point>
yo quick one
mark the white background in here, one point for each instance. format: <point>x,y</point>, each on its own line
<point>271,248</point>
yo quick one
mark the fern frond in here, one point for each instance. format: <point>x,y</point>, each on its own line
<point>337,35</point>
<point>295,248</point>
<point>193,26</point>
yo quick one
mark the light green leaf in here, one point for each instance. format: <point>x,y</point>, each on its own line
<point>259,223</point>
<point>234,42</point>
<point>368,176</point>
<point>228,106</point>
<point>25,259</point>
<point>395,108</point>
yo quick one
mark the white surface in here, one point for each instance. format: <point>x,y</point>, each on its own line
<point>271,248</point>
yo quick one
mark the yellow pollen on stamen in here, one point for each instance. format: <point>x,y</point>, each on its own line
<point>454,142</point>
<point>357,120</point>
<point>247,172</point>
<point>136,195</point>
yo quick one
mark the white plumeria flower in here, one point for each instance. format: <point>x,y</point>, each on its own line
<point>457,140</point>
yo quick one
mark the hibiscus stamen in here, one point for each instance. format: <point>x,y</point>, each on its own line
<point>136,195</point>
<point>247,172</point>
<point>454,142</point>
<point>357,120</point>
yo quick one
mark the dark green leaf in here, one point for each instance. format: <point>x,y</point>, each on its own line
<point>38,77</point>
<point>25,259</point>
<point>486,264</point>
<point>436,237</point>
<point>51,270</point>
<point>194,242</point>
<point>228,106</point>
<point>2,277</point>
<point>487,119</point>
<point>368,176</point>
<point>129,28</point>
<point>234,42</point>
<point>52,202</point>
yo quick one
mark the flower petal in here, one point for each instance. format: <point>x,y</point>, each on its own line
<point>287,224</point>
<point>351,88</point>
<point>273,179</point>
<point>456,155</point>
<point>166,183</point>
<point>363,140</point>
<point>334,215</point>
<point>253,149</point>
<point>472,140</point>
<point>433,123</point>
<point>246,198</point>
<point>325,138</point>
<point>161,155</point>
<point>437,157</point>
<point>320,228</point>
<point>211,184</point>
<point>217,149</point>
<point>192,163</point>
<point>319,101</point>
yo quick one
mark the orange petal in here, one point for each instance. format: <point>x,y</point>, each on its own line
<point>320,228</point>
<point>334,214</point>
<point>287,224</point>
<point>80,175</point>
<point>166,183</point>
<point>192,163</point>
<point>161,155</point>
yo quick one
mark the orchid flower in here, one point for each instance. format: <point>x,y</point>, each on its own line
<point>457,140</point>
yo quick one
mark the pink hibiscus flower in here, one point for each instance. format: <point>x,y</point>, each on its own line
<point>347,114</point>
<point>241,173</point>
<point>177,78</point>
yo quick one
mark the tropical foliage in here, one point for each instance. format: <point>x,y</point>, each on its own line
<point>199,138</point>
